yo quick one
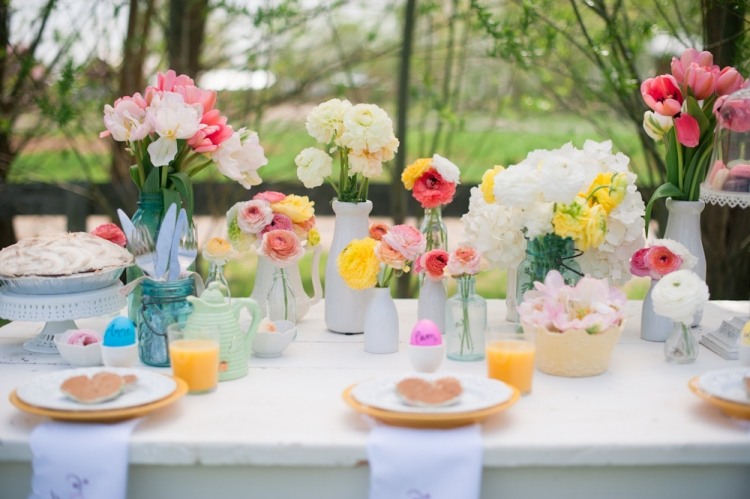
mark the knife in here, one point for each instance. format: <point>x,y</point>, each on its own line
<point>127,224</point>
<point>164,241</point>
<point>174,260</point>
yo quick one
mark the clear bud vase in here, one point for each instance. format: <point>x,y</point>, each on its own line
<point>465,321</point>
<point>681,346</point>
<point>281,304</point>
<point>434,229</point>
<point>216,274</point>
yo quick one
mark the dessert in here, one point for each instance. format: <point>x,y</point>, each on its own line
<point>82,337</point>
<point>101,387</point>
<point>420,392</point>
<point>61,255</point>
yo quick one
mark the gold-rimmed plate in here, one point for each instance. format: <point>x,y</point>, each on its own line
<point>733,409</point>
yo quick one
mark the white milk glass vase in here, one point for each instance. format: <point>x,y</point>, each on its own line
<point>381,323</point>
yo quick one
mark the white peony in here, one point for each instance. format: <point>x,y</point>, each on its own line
<point>366,127</point>
<point>326,121</point>
<point>313,166</point>
<point>517,185</point>
<point>240,159</point>
<point>679,295</point>
<point>446,169</point>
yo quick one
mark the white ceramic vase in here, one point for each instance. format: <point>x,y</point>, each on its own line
<point>431,303</point>
<point>345,307</point>
<point>264,278</point>
<point>654,327</point>
<point>381,323</point>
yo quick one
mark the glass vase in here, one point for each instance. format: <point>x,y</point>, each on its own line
<point>149,213</point>
<point>280,302</point>
<point>681,346</point>
<point>545,253</point>
<point>216,274</point>
<point>465,321</point>
<point>163,303</point>
<point>434,229</point>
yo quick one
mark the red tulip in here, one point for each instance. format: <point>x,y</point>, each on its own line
<point>662,95</point>
<point>688,131</point>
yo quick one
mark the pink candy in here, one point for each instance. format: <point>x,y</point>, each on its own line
<point>83,337</point>
<point>426,333</point>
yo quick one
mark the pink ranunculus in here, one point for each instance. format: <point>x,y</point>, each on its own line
<point>433,263</point>
<point>406,240</point>
<point>281,247</point>
<point>464,260</point>
<point>389,256</point>
<point>111,233</point>
<point>730,80</point>
<point>701,80</point>
<point>432,190</point>
<point>270,196</point>
<point>688,130</point>
<point>378,230</point>
<point>662,94</point>
<point>638,265</point>
<point>209,138</point>
<point>307,224</point>
<point>278,222</point>
<point>253,216</point>
<point>661,261</point>
<point>688,57</point>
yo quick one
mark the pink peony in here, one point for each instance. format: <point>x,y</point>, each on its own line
<point>389,256</point>
<point>281,247</point>
<point>661,261</point>
<point>662,94</point>
<point>432,190</point>
<point>270,196</point>
<point>111,233</point>
<point>638,266</point>
<point>406,240</point>
<point>729,81</point>
<point>253,216</point>
<point>690,56</point>
<point>464,260</point>
<point>278,222</point>
<point>378,230</point>
<point>688,130</point>
<point>432,263</point>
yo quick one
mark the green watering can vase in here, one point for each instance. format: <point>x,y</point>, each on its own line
<point>212,311</point>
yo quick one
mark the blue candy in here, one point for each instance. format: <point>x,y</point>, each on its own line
<point>120,332</point>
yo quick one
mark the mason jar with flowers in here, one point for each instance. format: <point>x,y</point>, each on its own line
<point>466,311</point>
<point>361,137</point>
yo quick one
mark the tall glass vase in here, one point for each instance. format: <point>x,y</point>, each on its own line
<point>545,253</point>
<point>149,213</point>
<point>345,307</point>
<point>216,274</point>
<point>434,229</point>
<point>465,321</point>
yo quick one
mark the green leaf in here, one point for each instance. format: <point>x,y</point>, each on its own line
<point>696,112</point>
<point>183,185</point>
<point>152,184</point>
<point>672,159</point>
<point>171,197</point>
<point>664,191</point>
<point>133,170</point>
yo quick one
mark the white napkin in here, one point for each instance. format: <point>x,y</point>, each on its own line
<point>425,464</point>
<point>80,460</point>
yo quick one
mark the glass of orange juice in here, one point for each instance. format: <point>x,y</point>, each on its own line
<point>510,356</point>
<point>194,356</point>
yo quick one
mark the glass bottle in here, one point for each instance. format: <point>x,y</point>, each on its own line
<point>545,253</point>
<point>216,274</point>
<point>681,346</point>
<point>149,212</point>
<point>281,303</point>
<point>465,321</point>
<point>163,303</point>
<point>434,229</point>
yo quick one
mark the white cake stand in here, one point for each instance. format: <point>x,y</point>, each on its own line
<point>59,311</point>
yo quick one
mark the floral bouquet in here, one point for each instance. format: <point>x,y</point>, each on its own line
<point>174,132</point>
<point>683,116</point>
<point>361,135</point>
<point>661,257</point>
<point>466,313</point>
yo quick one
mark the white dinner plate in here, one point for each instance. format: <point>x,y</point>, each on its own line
<point>726,384</point>
<point>478,393</point>
<point>44,391</point>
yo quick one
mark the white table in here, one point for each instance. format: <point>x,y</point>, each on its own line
<point>284,432</point>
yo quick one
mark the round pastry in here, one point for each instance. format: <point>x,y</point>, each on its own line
<point>420,392</point>
<point>61,255</point>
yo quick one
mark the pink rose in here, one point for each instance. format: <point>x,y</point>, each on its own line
<point>662,94</point>
<point>464,260</point>
<point>661,261</point>
<point>253,216</point>
<point>432,263</point>
<point>688,57</point>
<point>378,230</point>
<point>281,247</point>
<point>270,196</point>
<point>432,190</point>
<point>278,222</point>
<point>638,265</point>
<point>701,80</point>
<point>688,130</point>
<point>729,81</point>
<point>406,240</point>
<point>111,233</point>
<point>389,256</point>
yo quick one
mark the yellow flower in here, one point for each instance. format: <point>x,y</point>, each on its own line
<point>358,265</point>
<point>488,183</point>
<point>217,248</point>
<point>313,237</point>
<point>595,228</point>
<point>415,170</point>
<point>298,208</point>
<point>586,225</point>
<point>607,189</point>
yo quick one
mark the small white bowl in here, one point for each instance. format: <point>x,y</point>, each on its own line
<point>426,359</point>
<point>268,345</point>
<point>122,356</point>
<point>79,355</point>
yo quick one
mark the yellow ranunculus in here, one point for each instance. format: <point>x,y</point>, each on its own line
<point>608,190</point>
<point>313,237</point>
<point>358,265</point>
<point>414,171</point>
<point>217,248</point>
<point>594,229</point>
<point>586,225</point>
<point>488,183</point>
<point>298,208</point>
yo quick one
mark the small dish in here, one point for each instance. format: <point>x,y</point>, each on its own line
<point>268,345</point>
<point>79,355</point>
<point>121,356</point>
<point>426,358</point>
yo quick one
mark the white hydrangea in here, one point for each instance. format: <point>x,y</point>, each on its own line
<point>517,186</point>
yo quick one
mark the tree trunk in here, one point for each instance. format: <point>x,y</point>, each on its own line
<point>185,34</point>
<point>725,229</point>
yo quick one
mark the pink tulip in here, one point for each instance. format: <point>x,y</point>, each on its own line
<point>729,80</point>
<point>688,57</point>
<point>662,95</point>
<point>167,81</point>
<point>688,131</point>
<point>209,138</point>
<point>701,80</point>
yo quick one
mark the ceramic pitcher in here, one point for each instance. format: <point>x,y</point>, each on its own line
<point>211,310</point>
<point>264,278</point>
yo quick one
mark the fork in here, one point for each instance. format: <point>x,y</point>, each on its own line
<point>144,250</point>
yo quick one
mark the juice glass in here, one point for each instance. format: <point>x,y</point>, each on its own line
<point>194,356</point>
<point>510,356</point>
